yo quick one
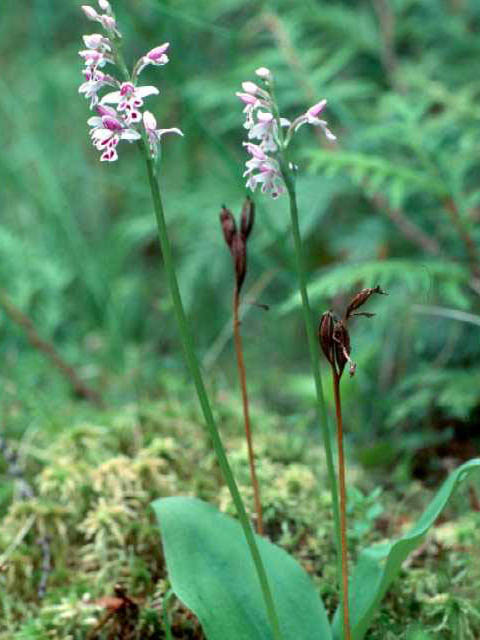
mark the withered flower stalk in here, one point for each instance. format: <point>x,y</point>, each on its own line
<point>335,342</point>
<point>237,243</point>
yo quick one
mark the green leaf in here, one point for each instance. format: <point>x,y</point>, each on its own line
<point>211,571</point>
<point>379,565</point>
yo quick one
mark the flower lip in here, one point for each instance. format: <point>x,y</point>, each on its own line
<point>112,123</point>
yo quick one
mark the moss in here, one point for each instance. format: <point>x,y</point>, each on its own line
<point>93,484</point>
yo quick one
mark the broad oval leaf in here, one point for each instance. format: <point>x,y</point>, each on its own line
<point>379,565</point>
<point>211,571</point>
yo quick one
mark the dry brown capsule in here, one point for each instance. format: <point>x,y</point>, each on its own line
<point>333,332</point>
<point>325,335</point>
<point>237,240</point>
<point>360,300</point>
<point>247,217</point>
<point>229,226</point>
<point>341,339</point>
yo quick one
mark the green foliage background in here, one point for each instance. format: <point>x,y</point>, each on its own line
<point>395,203</point>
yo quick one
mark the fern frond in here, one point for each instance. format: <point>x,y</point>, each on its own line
<point>414,275</point>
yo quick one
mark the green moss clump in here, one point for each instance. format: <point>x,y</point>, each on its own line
<point>94,482</point>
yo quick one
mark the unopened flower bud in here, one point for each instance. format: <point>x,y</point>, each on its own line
<point>105,5</point>
<point>317,108</point>
<point>158,53</point>
<point>264,73</point>
<point>250,87</point>
<point>90,12</point>
<point>247,217</point>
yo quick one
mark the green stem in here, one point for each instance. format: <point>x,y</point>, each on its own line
<point>314,360</point>
<point>195,372</point>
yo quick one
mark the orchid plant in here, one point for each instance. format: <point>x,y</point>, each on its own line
<point>124,122</point>
<point>239,584</point>
<point>270,167</point>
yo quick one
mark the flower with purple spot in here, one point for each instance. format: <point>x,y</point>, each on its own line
<point>129,100</point>
<point>122,120</point>
<point>107,131</point>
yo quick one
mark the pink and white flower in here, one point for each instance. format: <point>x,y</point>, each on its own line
<point>97,53</point>
<point>311,117</point>
<point>266,130</point>
<point>265,125</point>
<point>154,135</point>
<point>94,81</point>
<point>156,56</point>
<point>107,131</point>
<point>129,100</point>
<point>107,19</point>
<point>123,119</point>
<point>263,170</point>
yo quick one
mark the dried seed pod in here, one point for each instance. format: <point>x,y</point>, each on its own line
<point>247,218</point>
<point>239,253</point>
<point>229,226</point>
<point>341,340</point>
<point>360,299</point>
<point>325,336</point>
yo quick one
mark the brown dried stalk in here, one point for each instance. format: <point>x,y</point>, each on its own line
<point>335,342</point>
<point>237,243</point>
<point>80,388</point>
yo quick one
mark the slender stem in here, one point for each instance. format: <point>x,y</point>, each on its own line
<point>246,414</point>
<point>343,502</point>
<point>314,354</point>
<point>195,372</point>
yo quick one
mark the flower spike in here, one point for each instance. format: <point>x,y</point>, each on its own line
<point>266,127</point>
<point>123,120</point>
